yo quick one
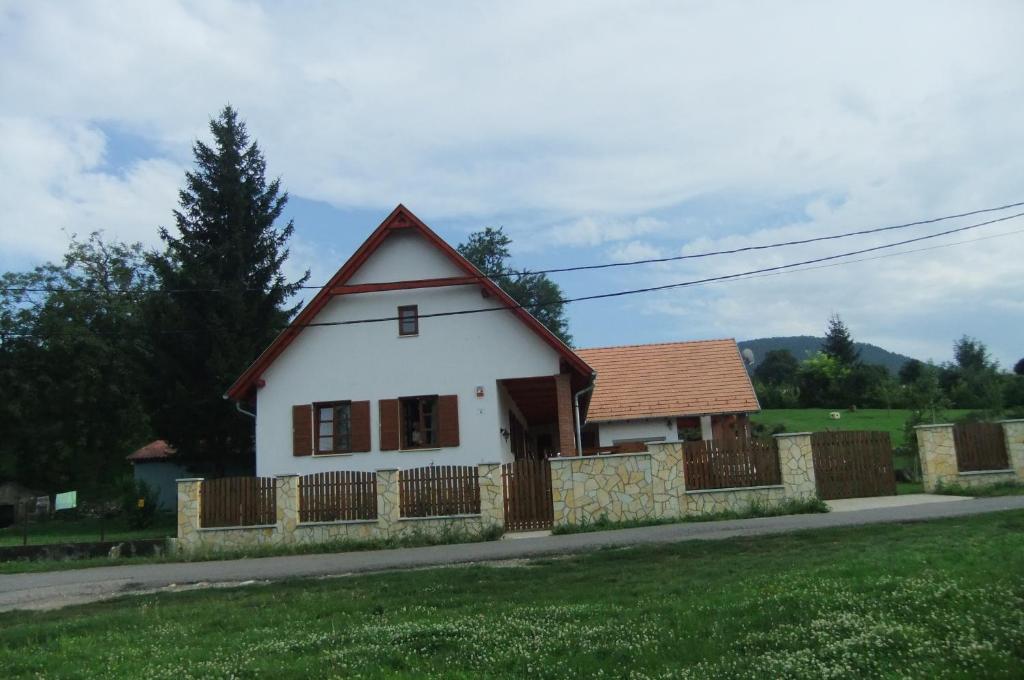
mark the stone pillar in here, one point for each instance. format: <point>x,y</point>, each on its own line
<point>796,461</point>
<point>937,449</point>
<point>1014,432</point>
<point>667,480</point>
<point>287,489</point>
<point>563,492</point>
<point>566,418</point>
<point>189,509</point>
<point>492,498</point>
<point>388,511</point>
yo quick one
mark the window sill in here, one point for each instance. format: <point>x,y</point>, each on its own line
<point>333,455</point>
<point>425,448</point>
<point>409,335</point>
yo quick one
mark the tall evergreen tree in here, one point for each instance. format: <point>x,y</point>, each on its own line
<point>224,295</point>
<point>838,342</point>
<point>488,250</point>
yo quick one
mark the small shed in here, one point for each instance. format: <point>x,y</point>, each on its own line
<point>155,464</point>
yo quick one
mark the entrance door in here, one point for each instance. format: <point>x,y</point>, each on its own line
<point>527,495</point>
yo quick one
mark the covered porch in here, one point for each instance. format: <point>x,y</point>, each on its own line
<point>537,415</point>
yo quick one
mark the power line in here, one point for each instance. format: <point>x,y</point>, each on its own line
<point>783,268</point>
<point>520,274</point>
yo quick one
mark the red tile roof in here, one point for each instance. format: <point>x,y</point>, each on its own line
<point>155,450</point>
<point>670,379</point>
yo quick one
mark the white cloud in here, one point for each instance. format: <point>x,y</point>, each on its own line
<point>599,118</point>
<point>632,251</point>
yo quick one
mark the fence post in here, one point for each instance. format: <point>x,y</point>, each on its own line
<point>1013,430</point>
<point>189,513</point>
<point>667,478</point>
<point>563,492</point>
<point>796,463</point>
<point>388,510</point>
<point>286,488</point>
<point>937,448</point>
<point>492,500</point>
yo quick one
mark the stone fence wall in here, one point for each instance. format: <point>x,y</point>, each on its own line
<point>289,530</point>
<point>651,485</point>
<point>937,447</point>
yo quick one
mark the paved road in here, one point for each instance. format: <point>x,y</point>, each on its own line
<point>60,588</point>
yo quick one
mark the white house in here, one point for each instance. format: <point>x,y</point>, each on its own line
<point>410,356</point>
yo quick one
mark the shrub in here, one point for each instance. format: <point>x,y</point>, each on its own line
<point>139,504</point>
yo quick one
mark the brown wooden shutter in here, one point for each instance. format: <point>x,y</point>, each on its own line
<point>302,430</point>
<point>360,426</point>
<point>448,417</point>
<point>388,424</point>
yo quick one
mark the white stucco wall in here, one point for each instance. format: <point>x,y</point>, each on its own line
<point>451,355</point>
<point>610,432</point>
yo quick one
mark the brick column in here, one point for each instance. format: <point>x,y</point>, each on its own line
<point>937,449</point>
<point>796,461</point>
<point>1014,433</point>
<point>667,478</point>
<point>492,499</point>
<point>566,419</point>
<point>189,510</point>
<point>388,512</point>
<point>287,488</point>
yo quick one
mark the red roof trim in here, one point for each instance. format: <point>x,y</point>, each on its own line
<point>400,218</point>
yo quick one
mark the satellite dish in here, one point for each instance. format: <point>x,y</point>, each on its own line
<point>748,356</point>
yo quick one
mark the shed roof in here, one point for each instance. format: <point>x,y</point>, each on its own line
<point>669,379</point>
<point>155,450</point>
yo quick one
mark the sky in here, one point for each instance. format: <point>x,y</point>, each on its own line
<point>593,132</point>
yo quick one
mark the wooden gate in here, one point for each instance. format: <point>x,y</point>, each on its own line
<point>527,495</point>
<point>853,464</point>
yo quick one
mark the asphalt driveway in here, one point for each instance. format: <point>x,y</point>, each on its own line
<point>54,589</point>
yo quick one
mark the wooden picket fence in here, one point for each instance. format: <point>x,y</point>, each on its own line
<point>338,495</point>
<point>526,490</point>
<point>237,502</point>
<point>729,464</point>
<point>980,446</point>
<point>439,490</point>
<point>853,464</point>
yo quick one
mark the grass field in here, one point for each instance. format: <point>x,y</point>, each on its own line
<point>929,600</point>
<point>84,531</point>
<point>817,420</point>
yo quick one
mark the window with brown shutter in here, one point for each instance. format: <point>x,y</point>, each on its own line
<point>388,424</point>
<point>419,422</point>
<point>333,427</point>
<point>302,430</point>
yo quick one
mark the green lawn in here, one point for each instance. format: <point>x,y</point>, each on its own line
<point>929,600</point>
<point>817,420</point>
<point>84,531</point>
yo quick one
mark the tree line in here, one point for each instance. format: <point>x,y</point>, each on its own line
<point>836,377</point>
<point>116,345</point>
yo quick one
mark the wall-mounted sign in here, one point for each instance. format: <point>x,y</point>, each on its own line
<point>66,500</point>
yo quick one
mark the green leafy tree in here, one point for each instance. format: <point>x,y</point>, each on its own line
<point>228,245</point>
<point>974,381</point>
<point>779,367</point>
<point>910,372</point>
<point>838,342</point>
<point>488,251</point>
<point>820,379</point>
<point>70,366</point>
<point>926,395</point>
<point>1018,367</point>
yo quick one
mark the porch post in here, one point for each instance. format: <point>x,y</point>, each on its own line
<point>566,427</point>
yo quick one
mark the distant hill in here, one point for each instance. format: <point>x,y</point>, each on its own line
<point>803,346</point>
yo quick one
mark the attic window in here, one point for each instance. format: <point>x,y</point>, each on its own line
<point>408,320</point>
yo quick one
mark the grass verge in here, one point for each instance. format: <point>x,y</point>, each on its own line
<point>996,489</point>
<point>85,530</point>
<point>412,539</point>
<point>878,601</point>
<point>788,507</point>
